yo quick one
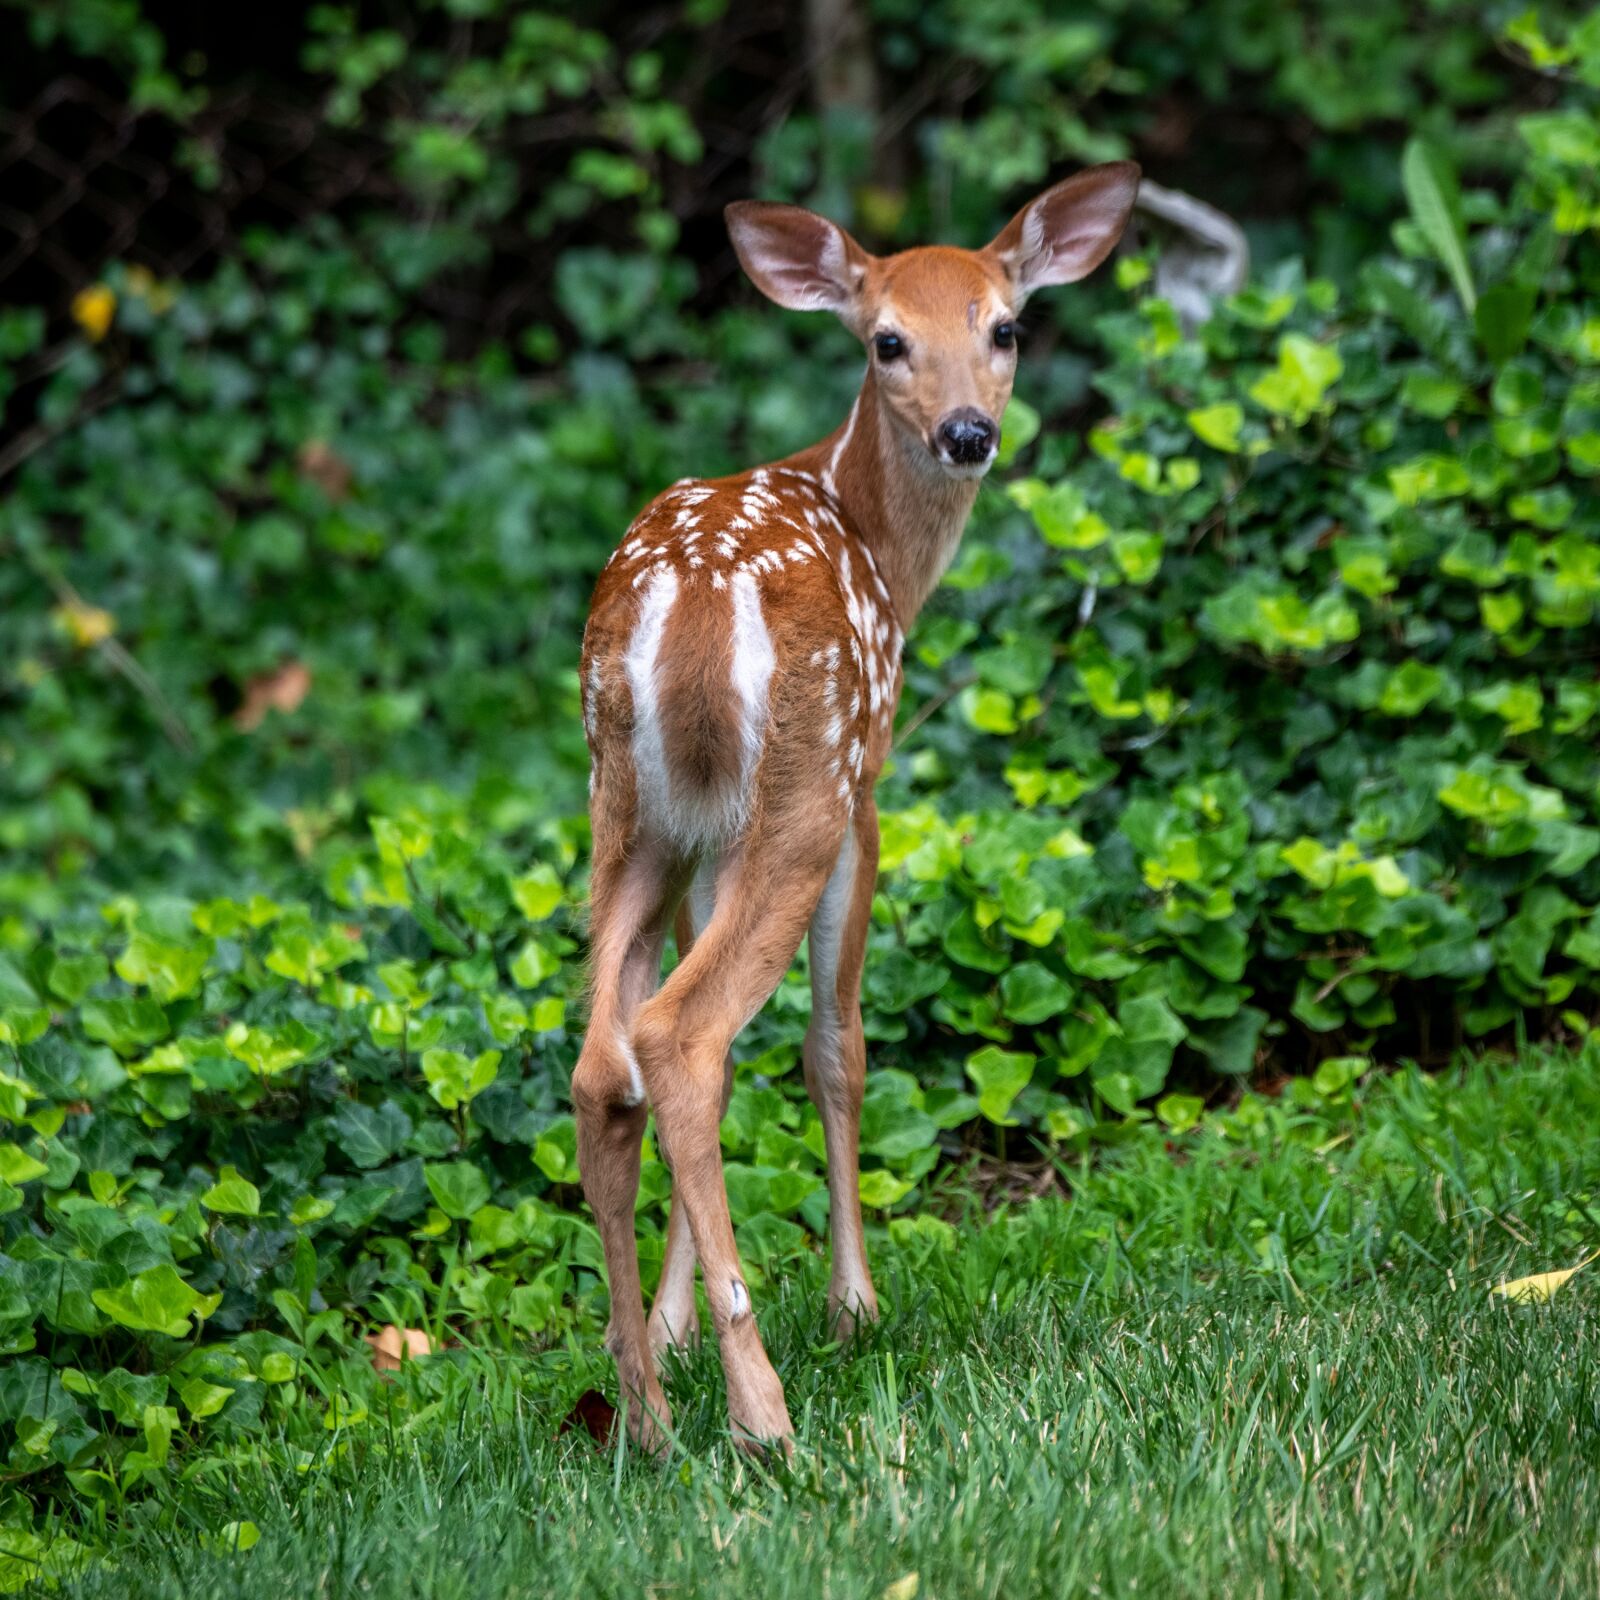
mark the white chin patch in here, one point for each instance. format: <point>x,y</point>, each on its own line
<point>965,469</point>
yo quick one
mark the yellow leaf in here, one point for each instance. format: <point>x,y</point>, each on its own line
<point>903,1588</point>
<point>85,625</point>
<point>1541,1285</point>
<point>93,310</point>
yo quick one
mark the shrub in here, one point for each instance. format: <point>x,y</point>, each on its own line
<point>1257,731</point>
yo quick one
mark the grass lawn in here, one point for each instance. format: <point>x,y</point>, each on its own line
<point>1259,1359</point>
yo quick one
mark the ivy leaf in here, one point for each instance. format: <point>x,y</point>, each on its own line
<point>1502,319</point>
<point>532,964</point>
<point>999,1077</point>
<point>1231,1045</point>
<point>1218,425</point>
<point>537,892</point>
<point>453,1080</point>
<point>370,1137</point>
<point>459,1187</point>
<point>17,1166</point>
<point>126,1025</point>
<point>1030,993</point>
<point>157,1301</point>
<point>232,1195</point>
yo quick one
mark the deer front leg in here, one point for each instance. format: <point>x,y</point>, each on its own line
<point>835,1060</point>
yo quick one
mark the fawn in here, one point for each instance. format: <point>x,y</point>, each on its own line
<point>741,669</point>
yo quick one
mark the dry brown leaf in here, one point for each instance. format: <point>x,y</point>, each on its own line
<point>594,1414</point>
<point>391,1346</point>
<point>282,689</point>
<point>326,468</point>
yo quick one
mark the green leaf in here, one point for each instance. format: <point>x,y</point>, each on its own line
<point>999,1077</point>
<point>169,970</point>
<point>233,1195</point>
<point>1218,425</point>
<point>1231,1044</point>
<point>459,1187</point>
<point>532,964</point>
<point>1031,993</point>
<point>17,1166</point>
<point>1180,1112</point>
<point>1019,427</point>
<point>1502,318</point>
<point>880,1188</point>
<point>537,892</point>
<point>126,1025</point>
<point>556,1153</point>
<point>453,1080</point>
<point>202,1398</point>
<point>156,1301</point>
<point>234,1538</point>
<point>1434,195</point>
<point>1305,372</point>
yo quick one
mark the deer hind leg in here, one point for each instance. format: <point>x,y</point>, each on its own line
<point>631,905</point>
<point>674,1319</point>
<point>765,898</point>
<point>835,1059</point>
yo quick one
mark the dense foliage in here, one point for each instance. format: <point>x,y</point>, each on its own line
<point>1255,731</point>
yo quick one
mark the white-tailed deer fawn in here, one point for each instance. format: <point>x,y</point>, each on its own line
<point>741,668</point>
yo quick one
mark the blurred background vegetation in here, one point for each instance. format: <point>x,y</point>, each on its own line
<point>1253,734</point>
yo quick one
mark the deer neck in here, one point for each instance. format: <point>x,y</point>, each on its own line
<point>905,509</point>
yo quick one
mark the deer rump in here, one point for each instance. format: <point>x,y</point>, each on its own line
<point>719,679</point>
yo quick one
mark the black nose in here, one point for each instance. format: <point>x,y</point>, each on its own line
<point>967,435</point>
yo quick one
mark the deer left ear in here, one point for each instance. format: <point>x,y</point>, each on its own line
<point>1069,230</point>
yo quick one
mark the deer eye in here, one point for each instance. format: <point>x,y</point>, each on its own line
<point>1005,335</point>
<point>890,346</point>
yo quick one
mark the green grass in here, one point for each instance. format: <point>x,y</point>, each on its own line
<point>1265,1362</point>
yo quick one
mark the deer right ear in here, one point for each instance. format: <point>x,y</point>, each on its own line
<point>1069,230</point>
<point>796,258</point>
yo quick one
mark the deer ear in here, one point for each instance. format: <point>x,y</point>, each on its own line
<point>1069,230</point>
<point>797,258</point>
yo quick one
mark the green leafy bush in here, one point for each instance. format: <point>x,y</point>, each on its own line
<point>1255,730</point>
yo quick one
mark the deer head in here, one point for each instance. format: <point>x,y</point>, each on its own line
<point>939,323</point>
